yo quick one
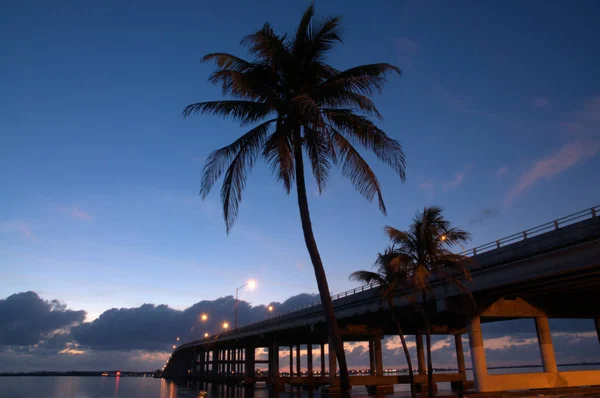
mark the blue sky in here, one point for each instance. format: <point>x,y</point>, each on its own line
<point>497,109</point>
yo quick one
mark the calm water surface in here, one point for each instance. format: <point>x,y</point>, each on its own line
<point>147,387</point>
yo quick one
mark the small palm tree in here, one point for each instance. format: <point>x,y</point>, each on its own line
<point>391,277</point>
<point>300,107</point>
<point>425,246</point>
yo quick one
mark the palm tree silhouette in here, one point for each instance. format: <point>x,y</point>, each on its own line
<point>425,252</point>
<point>296,102</point>
<point>392,276</point>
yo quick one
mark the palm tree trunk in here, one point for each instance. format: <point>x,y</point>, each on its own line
<point>311,245</point>
<point>411,376</point>
<point>428,341</point>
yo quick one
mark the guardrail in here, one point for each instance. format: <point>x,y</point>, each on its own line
<point>520,236</point>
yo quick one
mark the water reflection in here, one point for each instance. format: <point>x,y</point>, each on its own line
<point>193,389</point>
<point>117,386</point>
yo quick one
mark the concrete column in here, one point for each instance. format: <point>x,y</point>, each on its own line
<point>372,357</point>
<point>477,354</point>
<point>322,359</point>
<point>309,363</point>
<point>228,365</point>
<point>215,363</point>
<point>291,361</point>
<point>378,356</point>
<point>249,364</point>
<point>332,366</point>
<point>298,363</point>
<point>460,354</point>
<point>275,360</point>
<point>420,354</point>
<point>545,342</point>
<point>597,323</point>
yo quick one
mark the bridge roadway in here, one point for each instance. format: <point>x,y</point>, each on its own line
<point>550,271</point>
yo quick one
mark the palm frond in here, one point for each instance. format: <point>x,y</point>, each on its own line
<point>228,61</point>
<point>218,160</point>
<point>363,79</point>
<point>278,153</point>
<point>360,129</point>
<point>367,277</point>
<point>319,149</point>
<point>357,170</point>
<point>266,45</point>
<point>244,111</point>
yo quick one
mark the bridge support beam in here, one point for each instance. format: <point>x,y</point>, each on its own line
<point>420,354</point>
<point>378,355</point>
<point>322,360</point>
<point>460,354</point>
<point>298,363</point>
<point>333,380</point>
<point>545,342</point>
<point>372,357</point>
<point>291,361</point>
<point>309,361</point>
<point>477,354</point>
<point>250,364</point>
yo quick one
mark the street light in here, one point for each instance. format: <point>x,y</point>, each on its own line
<point>270,308</point>
<point>225,325</point>
<point>177,338</point>
<point>203,317</point>
<point>174,346</point>
<point>206,335</point>
<point>251,285</point>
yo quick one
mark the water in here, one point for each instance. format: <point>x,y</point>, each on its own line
<point>147,387</point>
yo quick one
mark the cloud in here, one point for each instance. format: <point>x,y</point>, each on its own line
<point>585,121</point>
<point>457,179</point>
<point>154,327</point>
<point>77,213</point>
<point>456,102</point>
<point>540,102</point>
<point>22,228</point>
<point>501,172</point>
<point>26,319</point>
<point>549,166</point>
<point>407,50</point>
<point>483,216</point>
<point>141,338</point>
<point>406,45</point>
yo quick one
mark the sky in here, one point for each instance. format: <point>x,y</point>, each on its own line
<point>497,108</point>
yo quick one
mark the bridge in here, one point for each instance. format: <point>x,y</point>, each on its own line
<point>550,271</point>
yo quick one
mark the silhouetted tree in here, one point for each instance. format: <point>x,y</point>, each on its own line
<point>425,252</point>
<point>297,102</point>
<point>392,278</point>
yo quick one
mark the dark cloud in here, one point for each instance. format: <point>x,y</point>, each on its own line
<point>483,216</point>
<point>36,334</point>
<point>26,319</point>
<point>155,328</point>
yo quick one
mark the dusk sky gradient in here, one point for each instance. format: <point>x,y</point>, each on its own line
<point>498,111</point>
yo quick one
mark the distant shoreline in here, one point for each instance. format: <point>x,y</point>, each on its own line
<point>113,373</point>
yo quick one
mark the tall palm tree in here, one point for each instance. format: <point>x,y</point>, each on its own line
<point>297,102</point>
<point>391,276</point>
<point>426,247</point>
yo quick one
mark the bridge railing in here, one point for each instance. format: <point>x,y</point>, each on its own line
<point>582,215</point>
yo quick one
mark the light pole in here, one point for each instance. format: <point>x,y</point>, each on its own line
<point>251,285</point>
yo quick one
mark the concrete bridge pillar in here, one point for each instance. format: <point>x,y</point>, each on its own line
<point>249,362</point>
<point>545,341</point>
<point>460,354</point>
<point>332,367</point>
<point>298,363</point>
<point>477,354</point>
<point>322,359</point>
<point>291,361</point>
<point>420,354</point>
<point>309,360</point>
<point>378,355</point>
<point>372,358</point>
